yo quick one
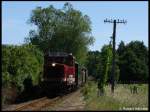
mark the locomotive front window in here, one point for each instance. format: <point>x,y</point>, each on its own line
<point>63,60</point>
<point>56,60</point>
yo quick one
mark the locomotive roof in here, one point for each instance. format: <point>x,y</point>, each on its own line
<point>58,54</point>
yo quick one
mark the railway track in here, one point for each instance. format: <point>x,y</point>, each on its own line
<point>38,104</point>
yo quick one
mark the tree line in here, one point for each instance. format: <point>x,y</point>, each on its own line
<point>131,63</point>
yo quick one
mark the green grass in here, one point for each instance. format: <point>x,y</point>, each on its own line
<point>122,98</point>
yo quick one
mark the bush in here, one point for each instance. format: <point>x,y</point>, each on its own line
<point>20,63</point>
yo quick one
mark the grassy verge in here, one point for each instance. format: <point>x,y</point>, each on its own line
<point>123,99</point>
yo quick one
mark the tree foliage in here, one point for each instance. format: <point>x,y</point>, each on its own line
<point>93,63</point>
<point>20,63</point>
<point>105,67</point>
<point>100,66</point>
<point>106,63</point>
<point>133,61</point>
<point>65,29</point>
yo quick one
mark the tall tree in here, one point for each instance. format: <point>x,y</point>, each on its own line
<point>65,29</point>
<point>106,60</point>
<point>133,61</point>
<point>121,48</point>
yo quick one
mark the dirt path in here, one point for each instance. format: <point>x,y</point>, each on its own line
<point>72,102</point>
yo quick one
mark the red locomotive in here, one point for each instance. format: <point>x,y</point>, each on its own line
<point>62,72</point>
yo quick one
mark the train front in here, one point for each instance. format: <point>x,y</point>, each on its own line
<point>59,72</point>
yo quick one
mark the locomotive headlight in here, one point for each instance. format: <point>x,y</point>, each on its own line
<point>53,64</point>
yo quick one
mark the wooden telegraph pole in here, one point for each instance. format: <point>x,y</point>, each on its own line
<point>114,42</point>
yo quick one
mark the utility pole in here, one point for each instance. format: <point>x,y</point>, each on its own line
<point>114,43</point>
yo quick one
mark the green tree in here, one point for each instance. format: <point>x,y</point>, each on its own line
<point>65,29</point>
<point>106,60</point>
<point>133,62</point>
<point>93,63</point>
<point>121,48</point>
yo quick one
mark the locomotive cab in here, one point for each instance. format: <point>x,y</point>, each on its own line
<point>59,70</point>
<point>62,72</point>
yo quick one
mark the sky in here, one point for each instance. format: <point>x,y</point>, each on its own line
<point>15,15</point>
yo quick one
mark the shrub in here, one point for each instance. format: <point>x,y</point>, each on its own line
<point>20,63</point>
